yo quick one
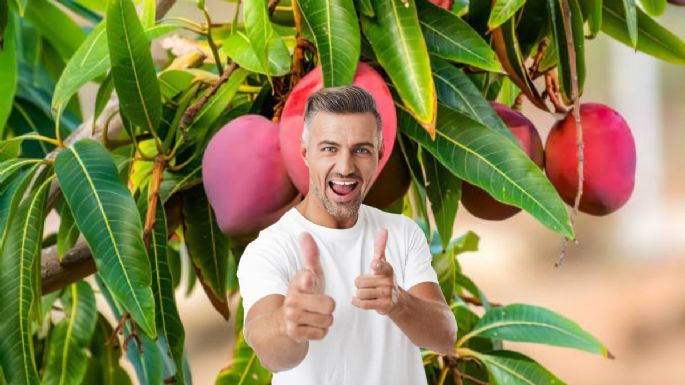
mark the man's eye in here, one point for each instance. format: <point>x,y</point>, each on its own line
<point>363,150</point>
<point>327,148</point>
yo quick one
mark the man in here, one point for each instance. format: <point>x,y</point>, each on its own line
<point>338,292</point>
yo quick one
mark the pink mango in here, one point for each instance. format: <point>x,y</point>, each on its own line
<point>244,176</point>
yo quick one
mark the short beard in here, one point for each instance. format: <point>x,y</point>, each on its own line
<point>345,212</point>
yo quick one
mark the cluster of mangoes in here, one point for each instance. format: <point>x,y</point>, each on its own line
<point>253,171</point>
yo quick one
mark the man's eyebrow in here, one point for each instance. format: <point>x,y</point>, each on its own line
<point>363,144</point>
<point>328,142</point>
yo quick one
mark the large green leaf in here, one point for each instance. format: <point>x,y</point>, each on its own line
<point>396,38</point>
<point>67,354</point>
<point>237,46</point>
<point>89,62</point>
<point>245,368</point>
<point>12,192</point>
<point>207,245</point>
<point>488,160</point>
<point>503,10</point>
<point>512,368</point>
<point>8,69</point>
<point>444,192</point>
<point>169,324</point>
<point>133,71</point>
<point>653,39</point>
<point>527,323</point>
<point>336,34</point>
<point>563,50</point>
<point>56,26</point>
<point>451,38</point>
<point>17,291</point>
<point>458,92</point>
<point>103,366</point>
<point>107,216</point>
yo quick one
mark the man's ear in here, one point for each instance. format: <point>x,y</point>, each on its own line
<point>304,153</point>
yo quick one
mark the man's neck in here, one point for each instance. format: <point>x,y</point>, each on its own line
<point>315,213</point>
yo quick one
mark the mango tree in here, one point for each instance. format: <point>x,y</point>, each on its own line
<point>135,184</point>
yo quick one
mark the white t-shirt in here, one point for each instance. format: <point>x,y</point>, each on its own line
<point>362,346</point>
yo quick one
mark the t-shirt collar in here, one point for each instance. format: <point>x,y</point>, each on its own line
<point>329,232</point>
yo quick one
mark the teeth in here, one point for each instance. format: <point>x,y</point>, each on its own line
<point>343,183</point>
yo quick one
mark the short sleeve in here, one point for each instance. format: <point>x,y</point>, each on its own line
<point>263,270</point>
<point>418,266</point>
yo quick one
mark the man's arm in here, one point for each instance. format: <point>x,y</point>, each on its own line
<point>262,331</point>
<point>423,315</point>
<point>279,327</point>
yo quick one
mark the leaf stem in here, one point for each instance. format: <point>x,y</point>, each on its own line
<point>210,41</point>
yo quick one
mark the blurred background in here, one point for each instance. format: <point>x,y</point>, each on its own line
<point>625,280</point>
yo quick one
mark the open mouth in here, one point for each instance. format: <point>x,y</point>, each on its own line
<point>343,188</point>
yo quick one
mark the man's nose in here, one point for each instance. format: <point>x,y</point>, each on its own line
<point>345,163</point>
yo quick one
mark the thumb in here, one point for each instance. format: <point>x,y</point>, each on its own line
<point>379,261</point>
<point>310,253</point>
<point>306,282</point>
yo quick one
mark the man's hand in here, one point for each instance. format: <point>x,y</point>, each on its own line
<point>307,311</point>
<point>378,290</point>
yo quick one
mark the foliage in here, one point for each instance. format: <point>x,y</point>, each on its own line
<point>134,195</point>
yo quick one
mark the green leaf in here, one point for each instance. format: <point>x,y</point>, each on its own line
<point>90,62</point>
<point>103,367</point>
<point>365,7</point>
<point>245,368</point>
<point>444,192</point>
<point>211,110</point>
<point>17,289</point>
<point>8,69</point>
<point>653,39</point>
<point>133,71</point>
<point>631,20</point>
<point>527,323</point>
<point>451,38</point>
<point>12,192</point>
<point>263,39</point>
<point>458,92</point>
<point>237,46</point>
<point>654,7</point>
<point>68,233</point>
<point>336,34</point>
<point>147,17</point>
<point>67,355</point>
<point>509,53</point>
<point>593,10</point>
<point>512,368</point>
<point>168,321</point>
<point>503,10</point>
<point>106,215</point>
<point>418,185</point>
<point>564,52</point>
<point>396,38</point>
<point>174,182</point>
<point>207,245</point>
<point>55,26</point>
<point>486,159</point>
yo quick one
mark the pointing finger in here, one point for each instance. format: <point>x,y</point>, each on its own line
<point>379,246</point>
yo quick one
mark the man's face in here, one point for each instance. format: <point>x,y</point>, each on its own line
<point>342,155</point>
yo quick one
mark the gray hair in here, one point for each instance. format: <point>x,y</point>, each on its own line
<point>340,100</point>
